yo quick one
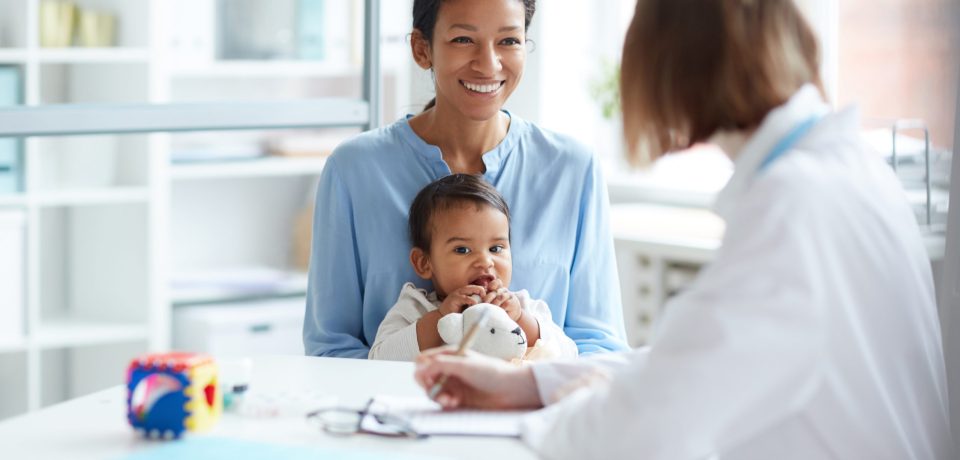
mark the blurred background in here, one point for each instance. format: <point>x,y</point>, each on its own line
<point>116,244</point>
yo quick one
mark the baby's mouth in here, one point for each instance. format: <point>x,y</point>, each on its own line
<point>483,281</point>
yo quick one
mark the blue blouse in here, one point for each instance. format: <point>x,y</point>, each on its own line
<point>560,236</point>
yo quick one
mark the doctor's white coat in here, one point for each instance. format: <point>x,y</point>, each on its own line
<point>812,335</point>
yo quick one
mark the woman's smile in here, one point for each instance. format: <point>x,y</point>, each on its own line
<point>483,88</point>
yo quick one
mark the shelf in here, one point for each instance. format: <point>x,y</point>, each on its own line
<point>15,200</point>
<point>92,55</point>
<point>265,69</point>
<point>212,287</point>
<point>936,243</point>
<point>68,332</point>
<point>12,345</point>
<point>89,197</point>
<point>265,167</point>
<point>13,56</point>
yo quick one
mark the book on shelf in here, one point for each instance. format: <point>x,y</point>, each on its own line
<point>11,149</point>
<point>310,30</point>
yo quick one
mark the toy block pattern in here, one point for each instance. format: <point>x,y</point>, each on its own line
<point>169,393</point>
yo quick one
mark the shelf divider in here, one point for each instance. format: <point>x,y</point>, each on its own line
<point>74,119</point>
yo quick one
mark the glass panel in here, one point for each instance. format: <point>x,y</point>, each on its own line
<point>158,51</point>
<point>251,49</point>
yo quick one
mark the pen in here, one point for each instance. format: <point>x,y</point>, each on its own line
<point>461,350</point>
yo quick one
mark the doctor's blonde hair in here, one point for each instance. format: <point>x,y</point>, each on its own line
<point>692,67</point>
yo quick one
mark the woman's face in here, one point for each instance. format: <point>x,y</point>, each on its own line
<point>477,55</point>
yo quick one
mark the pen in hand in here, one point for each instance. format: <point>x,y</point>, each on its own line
<point>461,350</point>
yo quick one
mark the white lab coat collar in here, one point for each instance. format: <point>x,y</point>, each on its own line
<point>805,103</point>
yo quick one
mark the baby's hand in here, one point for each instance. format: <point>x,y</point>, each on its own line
<point>460,299</point>
<point>500,296</point>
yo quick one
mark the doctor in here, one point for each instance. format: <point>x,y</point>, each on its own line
<point>813,334</point>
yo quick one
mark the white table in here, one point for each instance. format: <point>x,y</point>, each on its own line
<point>95,426</point>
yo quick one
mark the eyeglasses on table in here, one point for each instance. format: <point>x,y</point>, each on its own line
<point>344,422</point>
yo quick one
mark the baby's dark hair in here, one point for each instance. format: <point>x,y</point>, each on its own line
<point>445,193</point>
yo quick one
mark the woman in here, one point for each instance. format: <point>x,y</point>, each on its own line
<point>475,50</point>
<point>813,334</point>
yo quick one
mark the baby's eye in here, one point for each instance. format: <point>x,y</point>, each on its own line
<point>497,249</point>
<point>493,331</point>
<point>461,250</point>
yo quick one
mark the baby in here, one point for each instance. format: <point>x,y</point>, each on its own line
<point>460,231</point>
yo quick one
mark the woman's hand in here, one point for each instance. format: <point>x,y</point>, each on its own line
<point>497,294</point>
<point>477,381</point>
<point>458,300</point>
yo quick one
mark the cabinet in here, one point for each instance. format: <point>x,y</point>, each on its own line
<point>659,250</point>
<point>110,217</point>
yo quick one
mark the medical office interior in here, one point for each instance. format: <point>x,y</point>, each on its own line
<point>116,244</point>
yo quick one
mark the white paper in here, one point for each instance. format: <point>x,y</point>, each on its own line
<point>427,417</point>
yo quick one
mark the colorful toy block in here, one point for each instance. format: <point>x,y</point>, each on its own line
<point>168,393</point>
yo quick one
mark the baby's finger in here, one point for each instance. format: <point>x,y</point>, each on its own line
<point>495,285</point>
<point>489,297</point>
<point>472,289</point>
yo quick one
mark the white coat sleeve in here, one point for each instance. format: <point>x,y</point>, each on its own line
<point>549,330</point>
<point>397,335</point>
<point>735,353</point>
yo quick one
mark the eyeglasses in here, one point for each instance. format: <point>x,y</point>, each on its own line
<point>344,422</point>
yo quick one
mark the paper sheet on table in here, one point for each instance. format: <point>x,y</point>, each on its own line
<point>427,417</point>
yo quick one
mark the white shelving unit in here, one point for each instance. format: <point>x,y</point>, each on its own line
<point>110,219</point>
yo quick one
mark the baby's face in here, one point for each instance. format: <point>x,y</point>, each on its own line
<point>470,245</point>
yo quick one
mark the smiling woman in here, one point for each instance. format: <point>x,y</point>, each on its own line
<point>476,50</point>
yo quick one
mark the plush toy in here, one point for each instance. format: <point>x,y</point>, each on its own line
<point>168,393</point>
<point>501,337</point>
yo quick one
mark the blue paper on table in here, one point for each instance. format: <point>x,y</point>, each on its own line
<point>310,30</point>
<point>207,448</point>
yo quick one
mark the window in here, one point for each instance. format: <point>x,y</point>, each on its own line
<point>897,59</point>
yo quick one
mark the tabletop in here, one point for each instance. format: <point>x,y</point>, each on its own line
<point>95,426</point>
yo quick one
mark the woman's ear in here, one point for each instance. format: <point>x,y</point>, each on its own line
<point>421,263</point>
<point>421,50</point>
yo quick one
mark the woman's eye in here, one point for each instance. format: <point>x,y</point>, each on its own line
<point>461,250</point>
<point>511,41</point>
<point>461,40</point>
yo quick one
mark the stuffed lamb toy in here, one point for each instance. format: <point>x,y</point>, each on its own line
<point>501,337</point>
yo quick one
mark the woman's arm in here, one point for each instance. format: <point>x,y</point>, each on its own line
<point>333,323</point>
<point>594,312</point>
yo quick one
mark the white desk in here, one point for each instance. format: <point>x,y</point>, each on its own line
<point>95,426</point>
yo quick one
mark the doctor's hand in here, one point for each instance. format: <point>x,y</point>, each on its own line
<point>477,381</point>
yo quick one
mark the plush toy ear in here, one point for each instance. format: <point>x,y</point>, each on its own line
<point>450,328</point>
